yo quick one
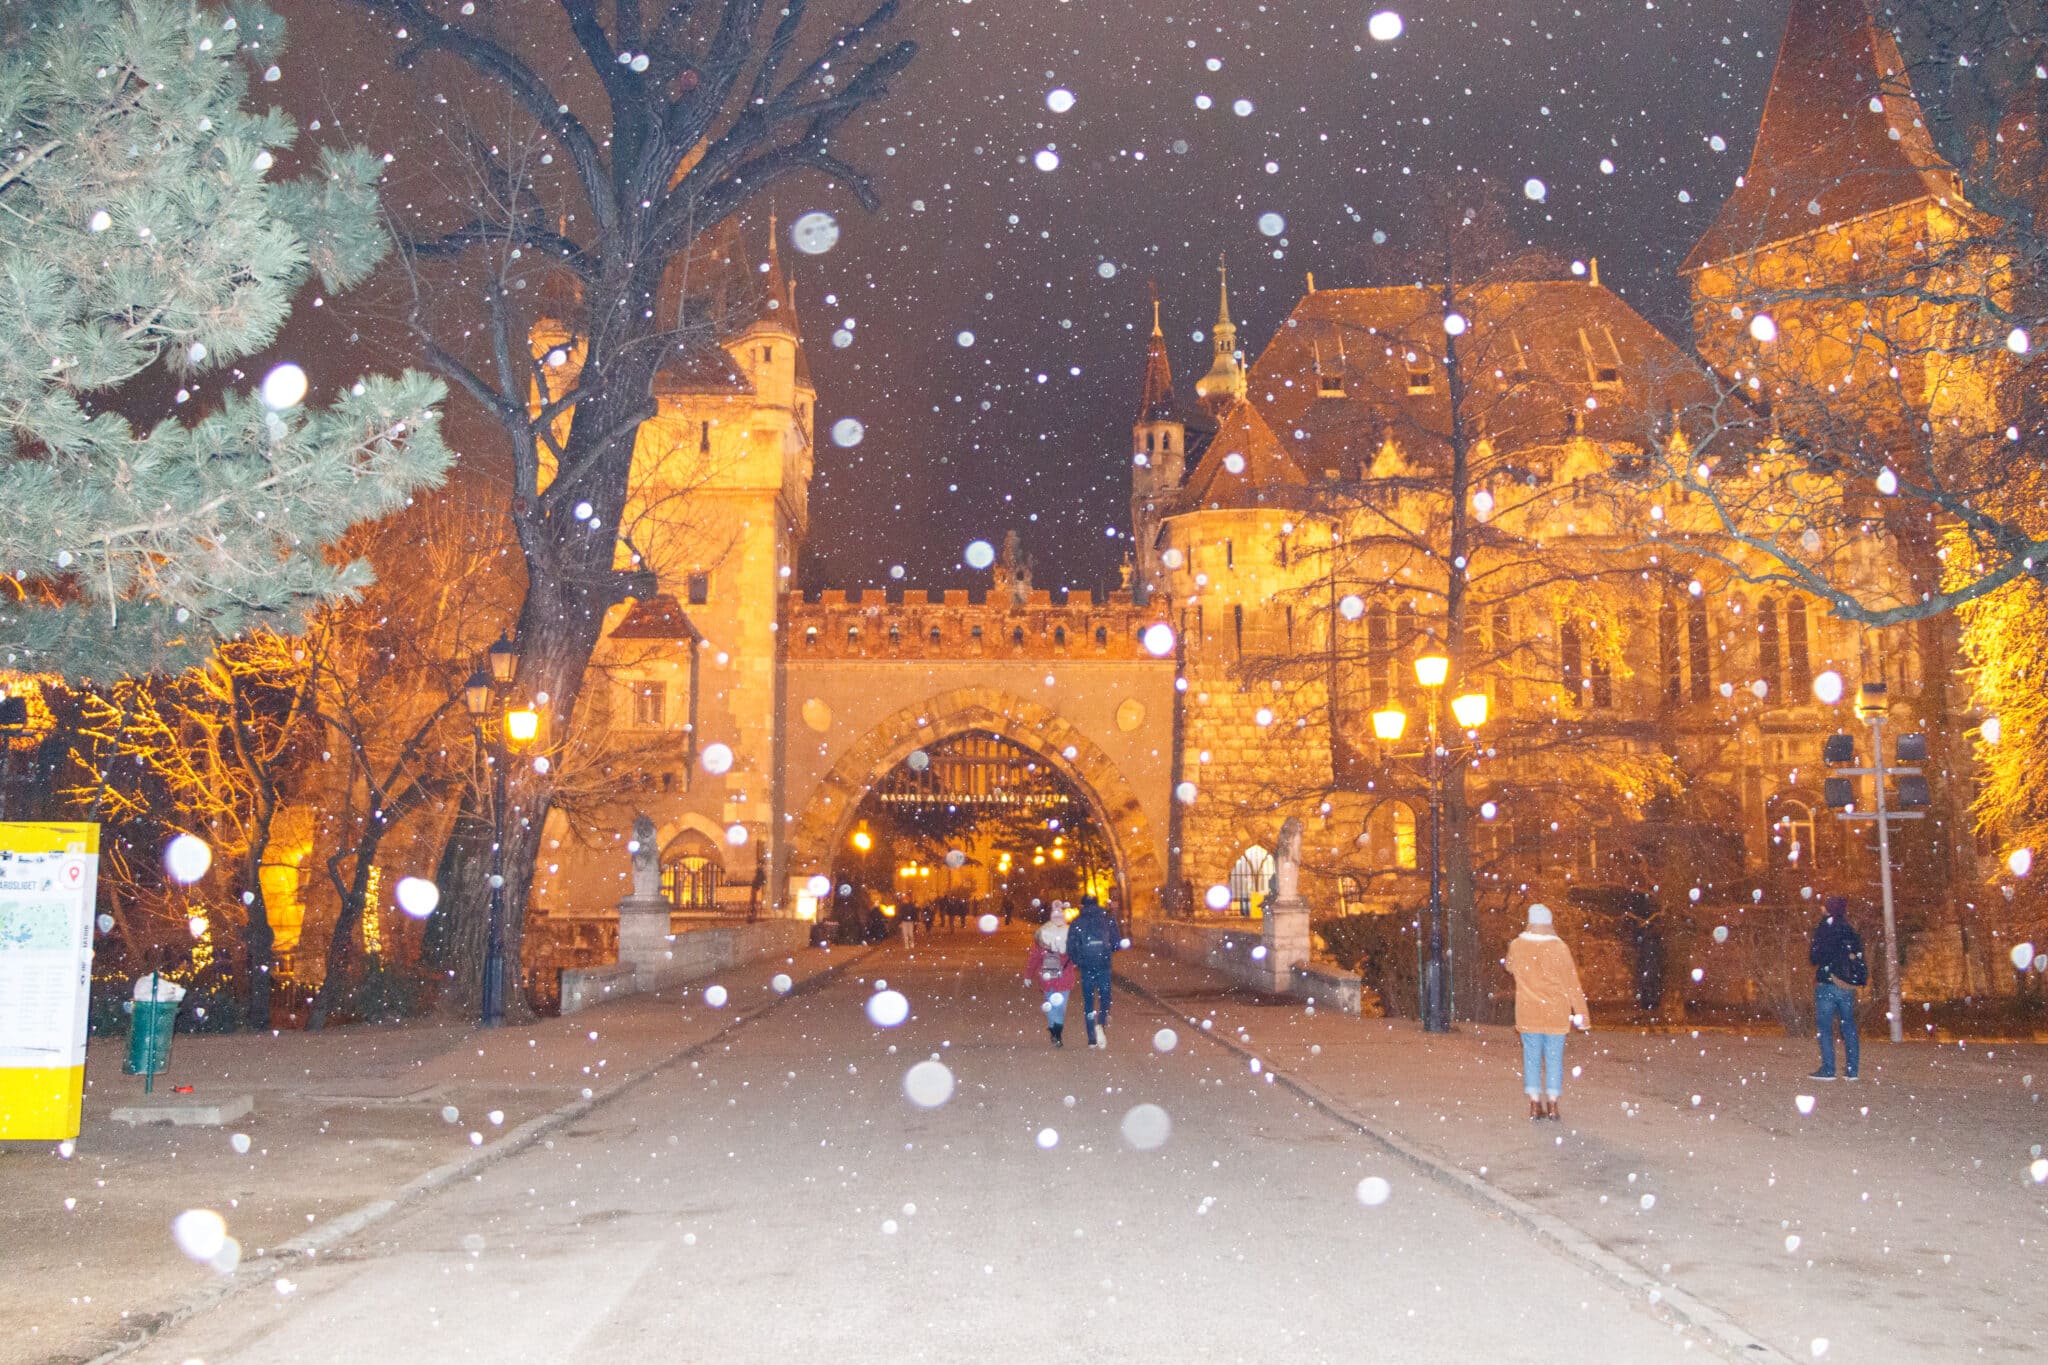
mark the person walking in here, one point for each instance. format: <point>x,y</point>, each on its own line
<point>1549,1003</point>
<point>1092,941</point>
<point>1838,969</point>
<point>1052,971</point>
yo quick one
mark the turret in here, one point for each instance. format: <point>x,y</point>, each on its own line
<point>1159,445</point>
<point>1225,382</point>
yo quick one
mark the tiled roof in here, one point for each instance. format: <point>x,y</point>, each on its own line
<point>1353,369</point>
<point>1825,154</point>
<point>1244,466</point>
<point>656,618</point>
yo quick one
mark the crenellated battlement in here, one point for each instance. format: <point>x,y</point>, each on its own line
<point>1000,622</point>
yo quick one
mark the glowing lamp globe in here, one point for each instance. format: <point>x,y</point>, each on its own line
<point>1432,669</point>
<point>522,725</point>
<point>1389,724</point>
<point>1470,710</point>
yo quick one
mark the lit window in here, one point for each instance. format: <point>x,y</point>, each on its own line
<point>650,704</point>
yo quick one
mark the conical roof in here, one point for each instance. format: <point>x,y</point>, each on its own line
<point>1244,466</point>
<point>1842,136</point>
<point>1156,403</point>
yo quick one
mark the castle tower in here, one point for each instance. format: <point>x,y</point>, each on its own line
<point>1843,169</point>
<point>1225,382</point>
<point>1159,446</point>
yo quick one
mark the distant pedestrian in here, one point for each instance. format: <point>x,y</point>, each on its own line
<point>1838,969</point>
<point>906,923</point>
<point>1549,1003</point>
<point>1052,971</point>
<point>1092,940</point>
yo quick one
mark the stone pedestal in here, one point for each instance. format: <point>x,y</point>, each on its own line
<point>644,939</point>
<point>1286,940</point>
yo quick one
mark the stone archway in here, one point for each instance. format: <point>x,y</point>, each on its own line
<point>1140,862</point>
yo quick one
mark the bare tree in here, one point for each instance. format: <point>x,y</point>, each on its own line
<point>702,105</point>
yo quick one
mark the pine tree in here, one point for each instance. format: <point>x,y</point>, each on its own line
<point>144,243</point>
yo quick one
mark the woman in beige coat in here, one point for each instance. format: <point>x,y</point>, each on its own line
<point>1549,1002</point>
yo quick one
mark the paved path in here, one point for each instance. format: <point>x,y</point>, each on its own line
<point>343,1119</point>
<point>1897,1219</point>
<point>779,1198</point>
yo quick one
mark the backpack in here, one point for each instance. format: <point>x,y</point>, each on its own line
<point>1852,969</point>
<point>1052,966</point>
<point>1088,941</point>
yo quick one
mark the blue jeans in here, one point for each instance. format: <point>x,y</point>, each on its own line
<point>1835,1005</point>
<point>1543,1061</point>
<point>1056,1009</point>
<point>1095,999</point>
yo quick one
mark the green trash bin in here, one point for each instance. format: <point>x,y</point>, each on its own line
<point>149,1037</point>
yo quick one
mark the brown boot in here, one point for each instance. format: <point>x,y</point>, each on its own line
<point>1550,1109</point>
<point>1535,1110</point>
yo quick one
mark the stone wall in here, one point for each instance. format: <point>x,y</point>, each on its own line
<point>693,954</point>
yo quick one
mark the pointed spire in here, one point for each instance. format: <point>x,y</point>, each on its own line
<point>1224,383</point>
<point>1842,136</point>
<point>1156,403</point>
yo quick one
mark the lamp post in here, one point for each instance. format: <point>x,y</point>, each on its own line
<point>1432,671</point>
<point>1872,706</point>
<point>480,694</point>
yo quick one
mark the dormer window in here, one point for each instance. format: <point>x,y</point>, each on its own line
<point>767,355</point>
<point>1603,358</point>
<point>1331,386</point>
<point>1421,379</point>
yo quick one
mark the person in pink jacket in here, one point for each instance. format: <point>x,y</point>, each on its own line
<point>1052,971</point>
<point>1549,1002</point>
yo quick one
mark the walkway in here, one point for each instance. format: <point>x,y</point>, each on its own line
<point>781,1199</point>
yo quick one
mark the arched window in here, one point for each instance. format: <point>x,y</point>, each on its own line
<point>1798,650</point>
<point>934,636</point>
<point>1571,649</point>
<point>1251,876</point>
<point>1017,637</point>
<point>1769,658</point>
<point>1351,897</point>
<point>1379,655</point>
<point>1668,658</point>
<point>810,637</point>
<point>1059,636</point>
<point>895,635</point>
<point>1102,637</point>
<point>1699,647</point>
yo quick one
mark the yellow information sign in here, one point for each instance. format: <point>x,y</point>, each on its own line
<point>48,881</point>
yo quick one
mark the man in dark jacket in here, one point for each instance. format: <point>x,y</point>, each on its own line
<point>1838,969</point>
<point>1092,939</point>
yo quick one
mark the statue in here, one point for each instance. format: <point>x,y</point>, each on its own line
<point>1287,862</point>
<point>646,860</point>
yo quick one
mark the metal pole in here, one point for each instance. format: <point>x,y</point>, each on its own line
<point>1435,1014</point>
<point>494,950</point>
<point>1894,1010</point>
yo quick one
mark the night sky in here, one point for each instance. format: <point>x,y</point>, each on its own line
<point>1028,426</point>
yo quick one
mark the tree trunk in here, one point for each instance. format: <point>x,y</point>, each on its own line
<point>570,587</point>
<point>455,933</point>
<point>257,938</point>
<point>341,945</point>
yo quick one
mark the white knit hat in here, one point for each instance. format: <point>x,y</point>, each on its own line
<point>1539,915</point>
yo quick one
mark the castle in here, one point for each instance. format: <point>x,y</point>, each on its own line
<point>1479,466</point>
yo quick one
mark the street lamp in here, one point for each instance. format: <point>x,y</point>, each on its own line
<point>480,694</point>
<point>1432,671</point>
<point>1907,802</point>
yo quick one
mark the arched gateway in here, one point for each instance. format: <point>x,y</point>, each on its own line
<point>1136,831</point>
